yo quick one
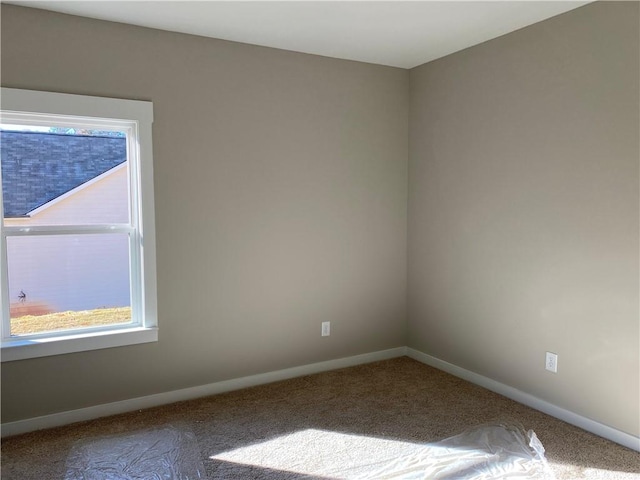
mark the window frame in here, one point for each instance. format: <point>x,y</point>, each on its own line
<point>28,107</point>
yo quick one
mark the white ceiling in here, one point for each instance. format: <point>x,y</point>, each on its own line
<point>396,33</point>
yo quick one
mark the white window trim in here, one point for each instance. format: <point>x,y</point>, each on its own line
<point>40,108</point>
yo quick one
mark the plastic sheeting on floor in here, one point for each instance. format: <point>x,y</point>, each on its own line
<point>167,453</point>
<point>499,451</point>
<point>495,451</point>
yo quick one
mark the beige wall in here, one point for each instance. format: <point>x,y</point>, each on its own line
<point>281,202</point>
<point>523,211</point>
<point>281,190</point>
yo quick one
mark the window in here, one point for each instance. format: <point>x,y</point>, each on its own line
<point>77,236</point>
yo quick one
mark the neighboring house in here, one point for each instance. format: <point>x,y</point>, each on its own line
<point>58,179</point>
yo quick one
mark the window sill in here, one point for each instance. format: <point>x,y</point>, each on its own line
<point>20,349</point>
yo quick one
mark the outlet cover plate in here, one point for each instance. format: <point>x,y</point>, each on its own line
<point>551,362</point>
<point>326,329</point>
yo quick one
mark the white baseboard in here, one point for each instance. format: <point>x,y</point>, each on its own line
<point>90,413</point>
<point>585,423</point>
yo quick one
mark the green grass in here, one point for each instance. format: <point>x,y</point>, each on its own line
<point>28,324</point>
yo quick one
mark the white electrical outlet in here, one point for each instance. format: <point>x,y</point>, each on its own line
<point>551,362</point>
<point>326,329</point>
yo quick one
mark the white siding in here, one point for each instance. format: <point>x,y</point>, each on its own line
<point>75,272</point>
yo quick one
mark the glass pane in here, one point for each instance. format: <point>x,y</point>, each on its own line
<point>62,176</point>
<point>61,282</point>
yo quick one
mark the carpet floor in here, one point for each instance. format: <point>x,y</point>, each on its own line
<point>398,400</point>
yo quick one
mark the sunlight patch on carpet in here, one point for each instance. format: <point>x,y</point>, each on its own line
<point>488,451</point>
<point>580,471</point>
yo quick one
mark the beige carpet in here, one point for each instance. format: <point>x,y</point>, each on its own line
<point>397,402</point>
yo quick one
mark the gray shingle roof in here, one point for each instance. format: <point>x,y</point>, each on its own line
<point>39,167</point>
